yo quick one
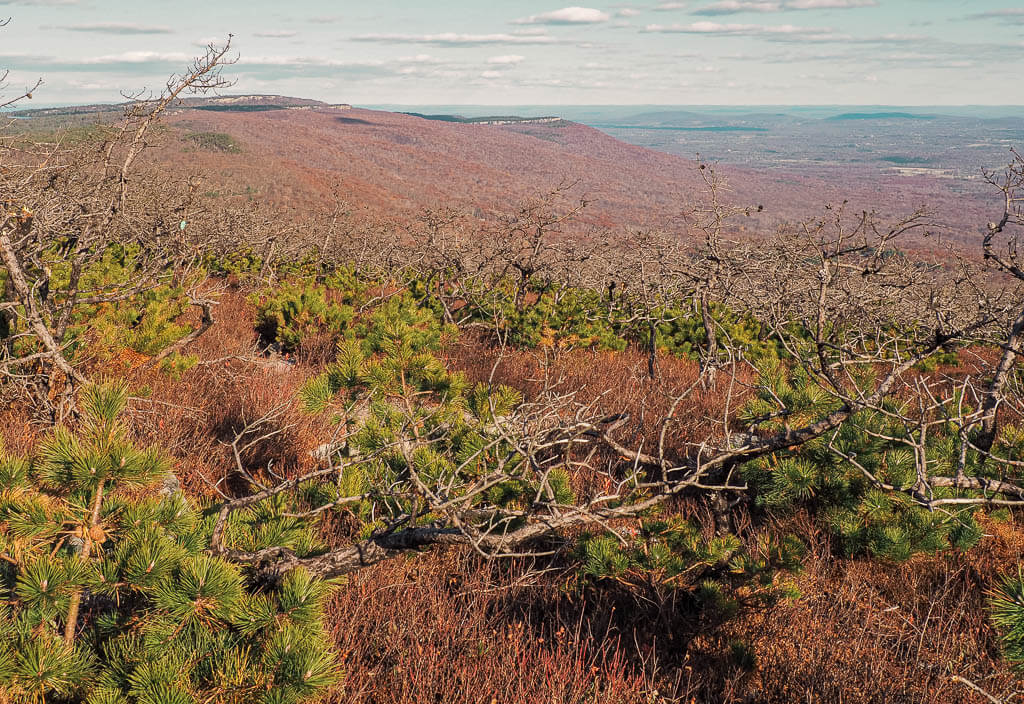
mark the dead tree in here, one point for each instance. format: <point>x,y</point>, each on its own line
<point>858,322</point>
<point>63,209</point>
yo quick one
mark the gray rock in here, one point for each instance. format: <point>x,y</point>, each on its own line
<point>170,486</point>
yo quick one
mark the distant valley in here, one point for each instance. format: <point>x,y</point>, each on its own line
<point>902,157</point>
<point>638,170</point>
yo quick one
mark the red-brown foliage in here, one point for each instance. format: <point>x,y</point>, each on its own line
<point>618,382</point>
<point>393,165</point>
<point>869,631</point>
<point>448,627</point>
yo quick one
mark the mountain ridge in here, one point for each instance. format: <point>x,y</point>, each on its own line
<point>393,166</point>
<point>396,165</point>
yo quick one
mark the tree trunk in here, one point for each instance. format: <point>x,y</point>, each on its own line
<point>87,539</point>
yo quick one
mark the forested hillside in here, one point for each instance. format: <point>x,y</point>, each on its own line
<point>391,166</point>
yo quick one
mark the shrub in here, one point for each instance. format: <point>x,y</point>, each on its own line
<point>682,333</point>
<point>214,142</point>
<point>107,596</point>
<point>388,386</point>
<point>826,474</point>
<point>1006,603</point>
<point>566,317</point>
<point>146,322</point>
<point>295,311</point>
<point>144,319</point>
<point>242,260</point>
<point>677,554</point>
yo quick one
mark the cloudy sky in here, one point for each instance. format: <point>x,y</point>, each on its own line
<point>902,52</point>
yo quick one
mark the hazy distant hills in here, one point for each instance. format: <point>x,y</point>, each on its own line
<point>879,116</point>
<point>395,164</point>
<point>638,173</point>
<point>682,119</point>
<point>240,103</point>
<point>490,119</point>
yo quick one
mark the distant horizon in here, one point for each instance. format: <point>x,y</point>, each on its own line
<point>723,106</point>
<point>597,113</point>
<point>612,114</point>
<point>28,105</point>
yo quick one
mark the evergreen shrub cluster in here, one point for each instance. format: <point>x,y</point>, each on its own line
<point>108,592</point>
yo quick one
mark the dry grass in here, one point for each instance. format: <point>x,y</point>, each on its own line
<point>617,382</point>
<point>448,627</point>
<point>868,631</point>
<point>445,627</point>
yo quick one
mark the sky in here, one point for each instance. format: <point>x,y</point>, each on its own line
<point>693,52</point>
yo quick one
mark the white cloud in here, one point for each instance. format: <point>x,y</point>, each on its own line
<point>785,33</point>
<point>117,28</point>
<point>491,74</point>
<point>138,57</point>
<point>1013,15</point>
<point>39,3</point>
<point>507,60</point>
<point>454,39</point>
<point>277,66</point>
<point>204,42</point>
<point>303,61</point>
<point>706,27</point>
<point>111,86</point>
<point>878,39</point>
<point>896,38</point>
<point>669,6</point>
<point>561,83</point>
<point>275,34</point>
<point>420,59</point>
<point>567,15</point>
<point>1006,12</point>
<point>628,12</point>
<point>730,7</point>
<point>828,4</point>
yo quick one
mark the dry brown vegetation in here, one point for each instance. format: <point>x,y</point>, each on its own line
<point>692,387</point>
<point>391,166</point>
<point>448,626</point>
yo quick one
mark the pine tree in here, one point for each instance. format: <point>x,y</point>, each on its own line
<point>1006,603</point>
<point>106,597</point>
<point>821,475</point>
